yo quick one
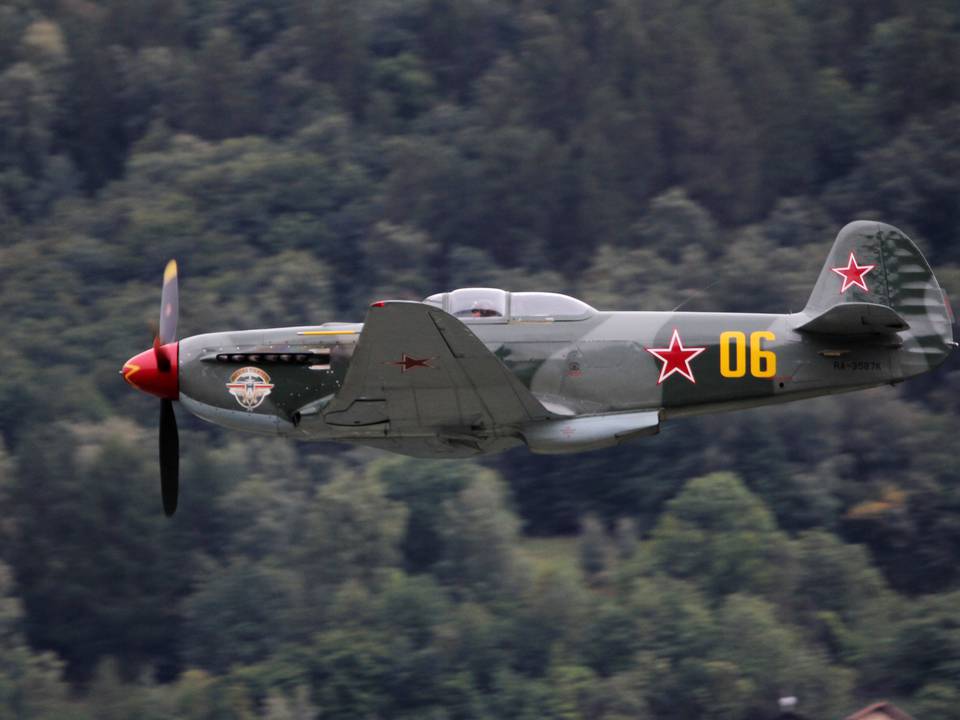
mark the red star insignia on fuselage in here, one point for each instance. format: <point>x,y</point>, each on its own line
<point>676,358</point>
<point>409,363</point>
<point>853,274</point>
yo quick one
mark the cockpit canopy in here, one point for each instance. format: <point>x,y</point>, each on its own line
<point>493,305</point>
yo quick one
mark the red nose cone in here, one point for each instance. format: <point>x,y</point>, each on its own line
<point>154,371</point>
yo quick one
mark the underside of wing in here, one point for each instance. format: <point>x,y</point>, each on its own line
<point>419,370</point>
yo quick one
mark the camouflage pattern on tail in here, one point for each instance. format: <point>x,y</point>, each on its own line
<point>873,266</point>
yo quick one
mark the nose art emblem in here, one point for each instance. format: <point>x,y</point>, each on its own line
<point>249,385</point>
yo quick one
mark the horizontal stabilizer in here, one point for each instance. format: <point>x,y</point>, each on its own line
<point>856,318</point>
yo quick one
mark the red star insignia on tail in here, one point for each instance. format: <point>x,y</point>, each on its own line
<point>676,358</point>
<point>853,274</point>
<point>409,363</point>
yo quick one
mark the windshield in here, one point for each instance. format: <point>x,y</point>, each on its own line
<point>436,300</point>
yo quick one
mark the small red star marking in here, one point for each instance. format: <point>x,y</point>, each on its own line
<point>409,363</point>
<point>676,358</point>
<point>853,274</point>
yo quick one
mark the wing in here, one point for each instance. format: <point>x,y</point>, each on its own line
<point>421,369</point>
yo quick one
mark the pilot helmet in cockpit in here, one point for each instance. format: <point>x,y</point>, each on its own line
<point>483,308</point>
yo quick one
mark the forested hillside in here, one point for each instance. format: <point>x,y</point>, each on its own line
<point>302,157</point>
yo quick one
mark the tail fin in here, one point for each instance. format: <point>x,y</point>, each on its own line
<point>875,280</point>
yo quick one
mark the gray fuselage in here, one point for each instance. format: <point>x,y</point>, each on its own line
<point>596,365</point>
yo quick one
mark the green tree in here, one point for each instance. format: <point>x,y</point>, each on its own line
<point>705,127</point>
<point>775,661</point>
<point>641,155</point>
<point>838,593</point>
<point>350,672</point>
<point>403,89</point>
<point>926,645</point>
<point>116,592</point>
<point>672,223</point>
<point>937,700</point>
<point>342,60</point>
<point>413,256</point>
<point>224,103</point>
<point>609,639</point>
<point>596,551</point>
<point>238,614</point>
<point>31,176</point>
<point>423,487</point>
<point>720,536</point>
<point>108,697</point>
<point>30,684</point>
<point>673,619</point>
<point>354,532</point>
<point>547,624</point>
<point>479,535</point>
<point>296,707</point>
<point>93,115</point>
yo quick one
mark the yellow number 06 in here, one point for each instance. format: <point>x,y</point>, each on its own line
<point>763,363</point>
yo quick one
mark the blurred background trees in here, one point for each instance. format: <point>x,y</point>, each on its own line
<point>301,158</point>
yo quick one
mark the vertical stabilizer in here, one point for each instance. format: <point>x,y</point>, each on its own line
<point>875,263</point>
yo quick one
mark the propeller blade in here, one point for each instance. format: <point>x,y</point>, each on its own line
<point>169,305</point>
<point>169,457</point>
<point>163,362</point>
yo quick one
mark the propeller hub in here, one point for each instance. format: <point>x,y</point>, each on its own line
<point>155,371</point>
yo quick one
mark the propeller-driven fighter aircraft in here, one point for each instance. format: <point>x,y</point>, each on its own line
<point>479,370</point>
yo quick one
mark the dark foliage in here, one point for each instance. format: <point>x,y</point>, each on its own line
<point>300,158</point>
